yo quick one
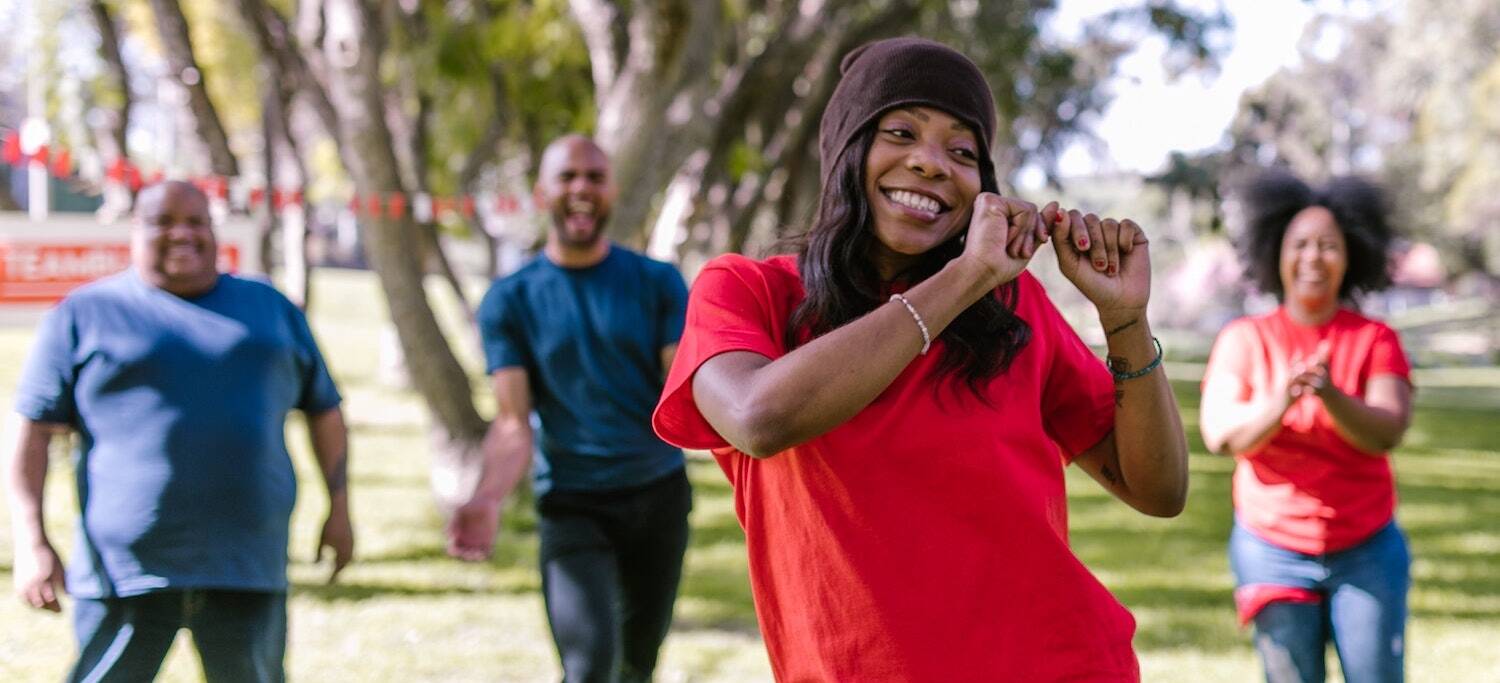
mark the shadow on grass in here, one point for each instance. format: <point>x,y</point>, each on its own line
<point>355,592</point>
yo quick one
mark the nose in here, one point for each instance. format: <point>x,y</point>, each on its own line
<point>927,162</point>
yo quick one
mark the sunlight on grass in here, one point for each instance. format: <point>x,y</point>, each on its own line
<point>404,612</point>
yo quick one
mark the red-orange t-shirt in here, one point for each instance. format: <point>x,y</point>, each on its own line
<point>926,538</point>
<point>1307,489</point>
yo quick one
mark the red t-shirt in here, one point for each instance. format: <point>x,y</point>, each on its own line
<point>926,538</point>
<point>1307,489</point>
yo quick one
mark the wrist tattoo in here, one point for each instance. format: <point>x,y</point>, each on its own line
<point>338,479</point>
<point>1118,365</point>
<point>1122,328</point>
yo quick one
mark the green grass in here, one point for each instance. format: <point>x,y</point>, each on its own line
<point>405,612</point>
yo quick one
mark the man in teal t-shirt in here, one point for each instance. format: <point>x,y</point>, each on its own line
<point>583,334</point>
<point>177,380</point>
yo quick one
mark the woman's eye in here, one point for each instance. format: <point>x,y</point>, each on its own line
<point>901,133</point>
<point>966,153</point>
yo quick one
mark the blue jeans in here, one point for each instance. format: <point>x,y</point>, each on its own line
<point>1363,610</point>
<point>241,635</point>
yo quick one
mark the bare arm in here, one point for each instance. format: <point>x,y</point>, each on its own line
<point>668,354</point>
<point>507,456</point>
<point>763,407</point>
<point>1376,424</point>
<point>1143,461</point>
<point>1230,425</point>
<point>38,572</point>
<point>330,442</point>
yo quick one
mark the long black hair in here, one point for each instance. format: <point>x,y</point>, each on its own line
<point>1272,198</point>
<point>843,284</point>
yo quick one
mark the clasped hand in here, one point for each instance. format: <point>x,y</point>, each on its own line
<point>1107,259</point>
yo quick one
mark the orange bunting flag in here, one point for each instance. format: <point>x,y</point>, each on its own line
<point>12,154</point>
<point>397,206</point>
<point>62,163</point>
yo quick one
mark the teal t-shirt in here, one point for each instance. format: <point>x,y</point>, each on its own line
<point>182,470</point>
<point>590,340</point>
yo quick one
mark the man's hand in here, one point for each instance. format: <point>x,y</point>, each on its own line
<point>38,576</point>
<point>472,528</point>
<point>338,535</point>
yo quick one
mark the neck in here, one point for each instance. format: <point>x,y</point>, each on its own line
<point>568,256</point>
<point>1311,313</point>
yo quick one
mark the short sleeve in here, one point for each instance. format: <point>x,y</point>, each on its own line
<point>45,393</point>
<point>674,299</point>
<point>1229,360</point>
<point>1387,356</point>
<point>319,392</point>
<point>499,331</point>
<point>1078,408</point>
<point>725,312</point>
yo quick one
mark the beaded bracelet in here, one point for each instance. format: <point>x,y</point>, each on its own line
<point>926,339</point>
<point>1155,362</point>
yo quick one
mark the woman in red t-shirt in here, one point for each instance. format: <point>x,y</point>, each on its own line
<point>1309,399</point>
<point>894,403</point>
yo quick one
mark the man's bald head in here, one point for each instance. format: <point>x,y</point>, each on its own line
<point>576,187</point>
<point>150,198</point>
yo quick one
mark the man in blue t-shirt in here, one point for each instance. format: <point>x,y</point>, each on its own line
<point>584,335</point>
<point>177,380</point>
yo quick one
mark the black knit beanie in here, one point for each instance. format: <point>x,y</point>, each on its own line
<point>901,72</point>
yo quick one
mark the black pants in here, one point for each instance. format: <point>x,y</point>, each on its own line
<point>611,562</point>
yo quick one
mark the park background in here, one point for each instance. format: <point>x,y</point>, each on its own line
<point>383,152</point>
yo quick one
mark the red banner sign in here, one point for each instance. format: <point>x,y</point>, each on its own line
<point>44,273</point>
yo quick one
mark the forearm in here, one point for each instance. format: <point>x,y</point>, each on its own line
<point>507,450</point>
<point>1236,427</point>
<point>1148,428</point>
<point>26,481</point>
<point>1368,428</point>
<point>330,442</point>
<point>816,387</point>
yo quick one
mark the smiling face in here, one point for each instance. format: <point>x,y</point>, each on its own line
<point>921,178</point>
<point>575,185</point>
<point>1314,259</point>
<point>172,241</point>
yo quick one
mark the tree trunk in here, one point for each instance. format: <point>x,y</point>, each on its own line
<point>109,51</point>
<point>173,29</point>
<point>352,46</point>
<point>650,94</point>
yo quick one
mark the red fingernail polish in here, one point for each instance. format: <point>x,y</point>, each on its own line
<point>1083,244</point>
<point>1098,264</point>
<point>1061,218</point>
<point>1111,270</point>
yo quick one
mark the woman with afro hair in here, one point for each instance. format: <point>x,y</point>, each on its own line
<point>1310,399</point>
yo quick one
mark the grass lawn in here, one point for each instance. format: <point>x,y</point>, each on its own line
<point>405,612</point>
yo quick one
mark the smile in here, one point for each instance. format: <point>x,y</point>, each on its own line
<point>915,200</point>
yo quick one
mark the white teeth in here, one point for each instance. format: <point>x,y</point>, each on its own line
<point>580,206</point>
<point>915,201</point>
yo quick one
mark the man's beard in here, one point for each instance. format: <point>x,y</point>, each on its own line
<point>570,238</point>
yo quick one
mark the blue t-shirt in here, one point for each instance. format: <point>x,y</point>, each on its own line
<point>590,340</point>
<point>183,475</point>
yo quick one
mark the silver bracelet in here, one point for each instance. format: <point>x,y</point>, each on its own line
<point>926,338</point>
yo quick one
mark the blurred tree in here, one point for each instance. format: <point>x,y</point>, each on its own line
<point>116,106</point>
<point>1408,99</point>
<point>182,68</point>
